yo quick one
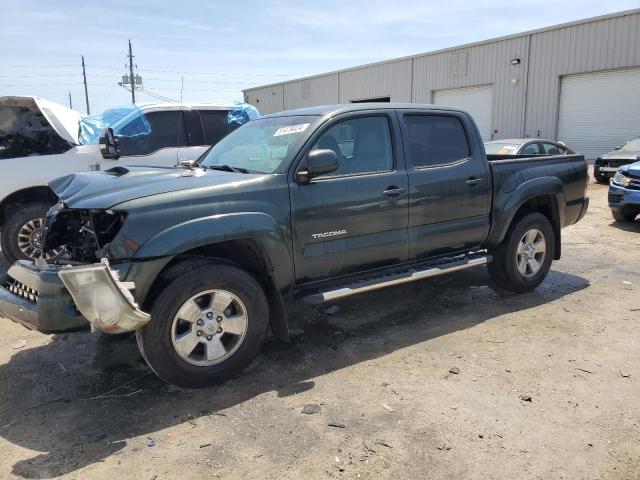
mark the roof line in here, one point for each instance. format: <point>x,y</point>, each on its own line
<point>572,23</point>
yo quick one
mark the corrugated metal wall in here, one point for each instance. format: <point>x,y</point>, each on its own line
<point>391,79</point>
<point>526,95</point>
<point>601,45</point>
<point>486,64</point>
<point>311,92</point>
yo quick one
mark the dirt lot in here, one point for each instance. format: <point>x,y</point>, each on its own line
<point>82,406</point>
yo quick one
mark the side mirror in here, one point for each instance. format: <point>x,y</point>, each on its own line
<point>109,144</point>
<point>319,162</point>
<point>618,148</point>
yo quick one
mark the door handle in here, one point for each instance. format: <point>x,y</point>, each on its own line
<point>392,191</point>
<point>473,181</point>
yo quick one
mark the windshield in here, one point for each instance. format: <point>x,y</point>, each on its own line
<point>632,145</point>
<point>262,145</point>
<point>500,148</point>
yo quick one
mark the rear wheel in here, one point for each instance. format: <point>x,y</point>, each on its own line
<point>524,258</point>
<point>22,233</point>
<point>206,325</point>
<point>622,216</point>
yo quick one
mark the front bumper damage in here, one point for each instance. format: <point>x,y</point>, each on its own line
<point>55,299</point>
<point>36,298</point>
<point>103,299</point>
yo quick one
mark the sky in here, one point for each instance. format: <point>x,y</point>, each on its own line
<point>210,51</point>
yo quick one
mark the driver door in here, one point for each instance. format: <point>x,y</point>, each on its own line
<point>355,218</point>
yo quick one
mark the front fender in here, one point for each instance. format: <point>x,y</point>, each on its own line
<point>262,228</point>
<point>512,195</point>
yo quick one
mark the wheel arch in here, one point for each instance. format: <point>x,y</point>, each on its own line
<point>544,195</point>
<point>41,193</point>
<point>253,242</point>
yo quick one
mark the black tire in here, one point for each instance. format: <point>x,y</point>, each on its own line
<point>503,270</point>
<point>621,216</point>
<point>155,338</point>
<point>599,177</point>
<point>21,217</point>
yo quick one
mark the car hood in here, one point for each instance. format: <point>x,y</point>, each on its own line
<point>621,155</point>
<point>632,168</point>
<point>62,119</point>
<point>109,188</point>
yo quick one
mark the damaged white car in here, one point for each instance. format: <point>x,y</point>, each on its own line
<point>42,140</point>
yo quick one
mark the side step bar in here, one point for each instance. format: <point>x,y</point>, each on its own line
<point>399,278</point>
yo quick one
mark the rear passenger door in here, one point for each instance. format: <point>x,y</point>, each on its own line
<point>158,147</point>
<point>449,183</point>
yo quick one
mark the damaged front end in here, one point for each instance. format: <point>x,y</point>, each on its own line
<point>81,284</point>
<point>84,235</point>
<point>102,298</point>
<point>98,293</point>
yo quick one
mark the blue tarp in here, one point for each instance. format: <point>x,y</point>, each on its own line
<point>126,121</point>
<point>129,121</point>
<point>241,113</point>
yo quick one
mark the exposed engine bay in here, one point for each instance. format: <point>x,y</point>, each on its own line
<point>25,132</point>
<point>84,235</point>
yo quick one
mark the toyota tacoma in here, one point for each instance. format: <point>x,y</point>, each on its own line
<point>315,204</point>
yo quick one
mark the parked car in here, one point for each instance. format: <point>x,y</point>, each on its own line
<point>42,140</point>
<point>316,204</point>
<point>624,193</point>
<point>526,146</point>
<point>606,166</point>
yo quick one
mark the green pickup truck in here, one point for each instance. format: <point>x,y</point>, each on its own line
<point>315,204</point>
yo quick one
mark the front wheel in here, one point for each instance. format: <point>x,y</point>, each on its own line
<point>620,216</point>
<point>22,233</point>
<point>206,325</point>
<point>600,177</point>
<point>524,258</point>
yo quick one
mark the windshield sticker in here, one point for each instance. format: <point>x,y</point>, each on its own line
<point>292,129</point>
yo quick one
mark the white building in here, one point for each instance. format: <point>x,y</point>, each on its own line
<point>578,82</point>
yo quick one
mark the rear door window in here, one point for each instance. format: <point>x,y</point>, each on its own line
<point>215,125</point>
<point>435,140</point>
<point>193,125</point>
<point>167,130</point>
<point>531,149</point>
<point>552,149</point>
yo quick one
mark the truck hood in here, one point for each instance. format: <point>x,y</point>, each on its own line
<point>18,114</point>
<point>621,155</point>
<point>109,188</point>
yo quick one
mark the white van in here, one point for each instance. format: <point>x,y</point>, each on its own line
<point>42,140</point>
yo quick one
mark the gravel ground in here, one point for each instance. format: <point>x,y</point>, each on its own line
<point>547,386</point>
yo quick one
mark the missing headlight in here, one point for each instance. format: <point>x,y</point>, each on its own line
<point>106,225</point>
<point>84,234</point>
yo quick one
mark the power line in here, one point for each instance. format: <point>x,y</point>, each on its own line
<point>221,73</point>
<point>39,84</point>
<point>88,65</point>
<point>201,81</point>
<point>198,90</point>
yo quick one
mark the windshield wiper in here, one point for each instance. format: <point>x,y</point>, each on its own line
<point>228,168</point>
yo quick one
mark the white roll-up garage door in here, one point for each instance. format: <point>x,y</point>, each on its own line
<point>599,111</point>
<point>475,100</point>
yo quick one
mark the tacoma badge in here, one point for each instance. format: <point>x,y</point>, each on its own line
<point>333,233</point>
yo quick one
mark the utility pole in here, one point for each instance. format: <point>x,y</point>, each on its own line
<point>86,91</point>
<point>132,80</point>
<point>70,104</point>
